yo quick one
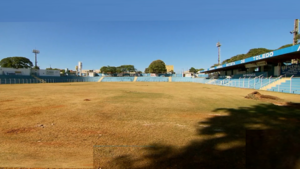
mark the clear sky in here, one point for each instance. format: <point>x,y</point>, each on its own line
<point>115,32</point>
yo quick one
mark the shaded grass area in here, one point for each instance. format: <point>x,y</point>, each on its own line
<point>273,141</point>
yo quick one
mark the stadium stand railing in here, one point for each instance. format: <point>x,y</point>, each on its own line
<point>152,79</point>
<point>290,86</point>
<point>17,79</point>
<point>117,79</point>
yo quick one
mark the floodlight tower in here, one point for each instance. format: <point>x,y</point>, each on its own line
<point>219,53</point>
<point>295,32</point>
<point>35,51</point>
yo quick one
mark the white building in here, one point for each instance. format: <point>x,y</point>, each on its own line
<point>28,72</point>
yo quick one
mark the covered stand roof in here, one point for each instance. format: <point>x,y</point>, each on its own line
<point>276,56</point>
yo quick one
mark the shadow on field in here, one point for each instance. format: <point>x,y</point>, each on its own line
<point>225,144</point>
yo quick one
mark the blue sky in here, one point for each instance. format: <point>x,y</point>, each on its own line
<point>181,33</point>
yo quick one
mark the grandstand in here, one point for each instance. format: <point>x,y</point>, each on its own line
<point>290,86</point>
<point>271,71</point>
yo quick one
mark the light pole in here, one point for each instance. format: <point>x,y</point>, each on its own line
<point>35,51</point>
<point>219,53</point>
<point>295,31</point>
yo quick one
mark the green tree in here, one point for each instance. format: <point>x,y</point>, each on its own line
<point>108,69</point>
<point>192,69</point>
<point>52,68</point>
<point>285,46</point>
<point>103,69</point>
<point>16,62</point>
<point>215,65</point>
<point>147,70</point>
<point>62,71</point>
<point>157,66</point>
<point>35,67</point>
<point>127,68</point>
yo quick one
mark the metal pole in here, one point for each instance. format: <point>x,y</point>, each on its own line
<point>254,83</point>
<point>295,32</point>
<point>249,82</point>
<point>291,84</point>
<point>244,82</point>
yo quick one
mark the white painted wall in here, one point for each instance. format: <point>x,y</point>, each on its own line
<point>43,72</point>
<point>91,74</point>
<point>24,72</point>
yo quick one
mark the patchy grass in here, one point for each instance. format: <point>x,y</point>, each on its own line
<point>51,126</point>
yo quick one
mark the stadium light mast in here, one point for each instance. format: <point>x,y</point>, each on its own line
<point>35,52</point>
<point>296,37</point>
<point>219,52</point>
<point>295,32</point>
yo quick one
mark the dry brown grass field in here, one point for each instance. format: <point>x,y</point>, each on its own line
<point>57,125</point>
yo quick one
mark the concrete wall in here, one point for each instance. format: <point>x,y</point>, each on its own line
<point>91,74</point>
<point>23,72</point>
<point>43,72</point>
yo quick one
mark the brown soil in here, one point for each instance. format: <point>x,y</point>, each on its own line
<point>273,99</point>
<point>20,130</point>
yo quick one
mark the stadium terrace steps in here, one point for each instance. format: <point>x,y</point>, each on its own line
<point>135,78</point>
<point>211,81</point>
<point>152,79</point>
<point>290,86</point>
<point>100,79</point>
<point>275,83</point>
<point>117,79</point>
<point>41,80</point>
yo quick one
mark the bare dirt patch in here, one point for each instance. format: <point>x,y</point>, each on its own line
<point>2,101</point>
<point>20,130</point>
<point>272,99</point>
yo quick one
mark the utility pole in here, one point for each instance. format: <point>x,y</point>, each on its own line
<point>295,32</point>
<point>219,52</point>
<point>35,52</point>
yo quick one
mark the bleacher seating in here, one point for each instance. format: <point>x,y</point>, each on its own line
<point>152,79</point>
<point>17,79</point>
<point>117,79</point>
<point>50,79</point>
<point>182,79</point>
<point>290,86</point>
<point>287,87</point>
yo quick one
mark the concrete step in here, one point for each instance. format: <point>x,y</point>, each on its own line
<point>277,82</point>
<point>41,80</point>
<point>100,79</point>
